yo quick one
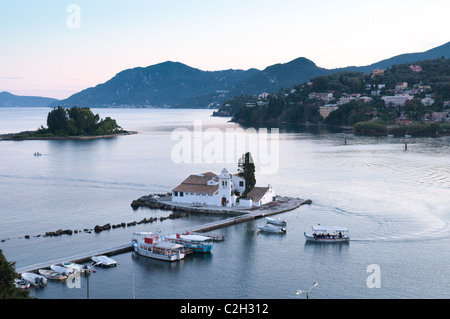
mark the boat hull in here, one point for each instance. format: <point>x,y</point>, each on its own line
<point>311,238</point>
<point>34,279</point>
<point>276,222</point>
<point>154,255</point>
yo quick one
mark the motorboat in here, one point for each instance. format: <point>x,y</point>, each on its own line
<point>104,261</point>
<point>275,221</point>
<point>198,243</point>
<point>76,267</point>
<point>269,228</point>
<point>51,274</point>
<point>34,279</point>
<point>61,269</point>
<point>328,234</point>
<point>21,283</point>
<point>162,250</point>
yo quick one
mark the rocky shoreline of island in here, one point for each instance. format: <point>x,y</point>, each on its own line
<point>32,135</point>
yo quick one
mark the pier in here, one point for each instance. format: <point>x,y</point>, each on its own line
<point>281,205</point>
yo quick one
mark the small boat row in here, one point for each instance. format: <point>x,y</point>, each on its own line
<point>170,247</point>
<point>60,272</point>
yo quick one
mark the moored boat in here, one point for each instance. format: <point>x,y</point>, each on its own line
<point>162,250</point>
<point>197,243</point>
<point>61,269</point>
<point>21,283</point>
<point>104,261</point>
<point>328,234</point>
<point>140,237</point>
<point>76,267</point>
<point>51,274</point>
<point>275,221</point>
<point>269,228</point>
<point>34,279</point>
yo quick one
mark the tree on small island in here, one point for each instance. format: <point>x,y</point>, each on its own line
<point>78,122</point>
<point>246,169</point>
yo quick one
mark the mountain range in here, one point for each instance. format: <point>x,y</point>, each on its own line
<point>174,84</point>
<point>10,100</point>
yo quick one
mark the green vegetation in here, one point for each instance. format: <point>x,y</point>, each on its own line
<point>247,171</point>
<point>7,275</point>
<point>420,129</point>
<point>79,121</point>
<point>73,122</point>
<point>299,105</point>
<point>370,128</point>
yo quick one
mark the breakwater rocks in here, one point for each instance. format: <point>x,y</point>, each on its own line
<point>98,228</point>
<point>151,201</point>
<point>161,201</point>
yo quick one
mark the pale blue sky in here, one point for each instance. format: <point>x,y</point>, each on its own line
<point>41,55</point>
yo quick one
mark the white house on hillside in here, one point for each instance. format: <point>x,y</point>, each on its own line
<point>219,190</point>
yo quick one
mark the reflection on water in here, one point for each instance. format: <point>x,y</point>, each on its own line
<point>394,202</point>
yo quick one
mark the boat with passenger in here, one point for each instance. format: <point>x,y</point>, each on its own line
<point>162,250</point>
<point>328,234</point>
<point>197,243</point>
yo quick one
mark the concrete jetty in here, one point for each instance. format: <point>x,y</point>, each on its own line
<point>240,215</point>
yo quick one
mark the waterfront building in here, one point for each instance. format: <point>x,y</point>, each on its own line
<point>427,101</point>
<point>397,99</point>
<point>416,68</point>
<point>401,86</point>
<point>219,190</point>
<point>327,109</point>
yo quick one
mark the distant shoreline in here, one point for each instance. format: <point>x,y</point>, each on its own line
<point>17,137</point>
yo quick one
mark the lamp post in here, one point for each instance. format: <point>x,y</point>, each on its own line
<point>307,291</point>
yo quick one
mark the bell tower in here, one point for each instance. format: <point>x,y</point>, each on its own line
<point>225,188</point>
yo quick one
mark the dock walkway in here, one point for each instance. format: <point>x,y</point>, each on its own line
<point>283,204</point>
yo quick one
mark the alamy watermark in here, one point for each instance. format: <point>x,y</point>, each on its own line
<point>213,145</point>
<point>374,279</point>
<point>74,19</point>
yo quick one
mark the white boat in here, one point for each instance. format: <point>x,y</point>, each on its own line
<point>162,250</point>
<point>104,261</point>
<point>34,279</point>
<point>76,267</point>
<point>140,237</point>
<point>272,229</point>
<point>328,234</point>
<point>276,221</point>
<point>21,283</point>
<point>197,243</point>
<point>51,274</point>
<point>61,269</point>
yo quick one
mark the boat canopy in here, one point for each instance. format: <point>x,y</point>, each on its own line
<point>196,238</point>
<point>167,245</point>
<point>324,229</point>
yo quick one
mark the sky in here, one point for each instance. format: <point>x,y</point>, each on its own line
<point>55,48</point>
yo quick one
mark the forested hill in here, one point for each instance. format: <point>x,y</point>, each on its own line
<point>357,97</point>
<point>173,84</point>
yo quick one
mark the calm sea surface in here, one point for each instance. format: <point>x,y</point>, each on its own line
<point>396,204</point>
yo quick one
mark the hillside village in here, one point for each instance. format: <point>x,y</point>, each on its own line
<point>417,92</point>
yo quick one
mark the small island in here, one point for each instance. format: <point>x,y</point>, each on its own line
<point>72,123</point>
